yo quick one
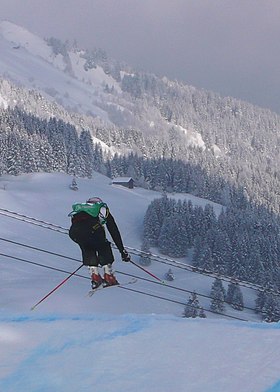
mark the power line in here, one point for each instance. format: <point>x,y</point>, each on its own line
<point>33,221</point>
<point>157,258</point>
<point>126,288</point>
<point>145,279</point>
<point>183,303</point>
<point>38,249</point>
<point>200,271</point>
<point>41,265</point>
<point>130,275</point>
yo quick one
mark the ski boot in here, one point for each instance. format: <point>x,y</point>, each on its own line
<point>96,279</point>
<point>109,278</point>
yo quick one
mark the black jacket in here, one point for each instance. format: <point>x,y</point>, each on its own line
<point>85,226</point>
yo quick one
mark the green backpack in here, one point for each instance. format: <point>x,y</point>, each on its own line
<point>98,209</point>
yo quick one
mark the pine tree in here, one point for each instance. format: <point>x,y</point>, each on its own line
<point>173,237</point>
<point>152,225</point>
<point>234,296</point>
<point>13,157</point>
<point>169,275</point>
<point>74,185</point>
<point>86,151</point>
<point>218,296</point>
<point>206,258</point>
<point>192,308</point>
<point>201,313</point>
<point>198,243</point>
<point>56,139</point>
<point>145,248</point>
<point>260,301</point>
<point>271,308</point>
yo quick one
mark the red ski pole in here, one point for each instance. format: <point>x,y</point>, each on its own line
<point>147,272</point>
<point>60,284</point>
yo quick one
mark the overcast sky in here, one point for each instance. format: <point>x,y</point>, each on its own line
<point>228,46</point>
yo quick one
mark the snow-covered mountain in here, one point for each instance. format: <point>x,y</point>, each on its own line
<point>31,62</point>
<point>117,340</point>
<point>71,78</point>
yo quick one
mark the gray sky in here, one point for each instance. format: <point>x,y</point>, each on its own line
<point>228,46</point>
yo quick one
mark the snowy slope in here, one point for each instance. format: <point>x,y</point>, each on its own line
<point>28,61</point>
<point>118,340</point>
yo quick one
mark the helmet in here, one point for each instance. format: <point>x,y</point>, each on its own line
<point>94,200</point>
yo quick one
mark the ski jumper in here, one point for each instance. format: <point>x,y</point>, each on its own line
<point>87,230</point>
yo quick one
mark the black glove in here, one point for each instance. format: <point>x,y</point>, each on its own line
<point>125,255</point>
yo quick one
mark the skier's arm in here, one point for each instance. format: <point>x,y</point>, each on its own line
<point>114,232</point>
<point>116,236</point>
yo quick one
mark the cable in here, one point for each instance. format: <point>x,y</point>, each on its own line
<point>41,265</point>
<point>183,290</point>
<point>137,291</point>
<point>198,270</point>
<point>145,279</point>
<point>182,303</point>
<point>38,249</point>
<point>137,252</point>
<point>140,278</point>
<point>137,277</point>
<point>33,221</point>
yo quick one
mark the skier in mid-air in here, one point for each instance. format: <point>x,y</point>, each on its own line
<point>87,230</point>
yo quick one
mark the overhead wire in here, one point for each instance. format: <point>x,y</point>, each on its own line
<point>145,279</point>
<point>183,303</point>
<point>126,288</point>
<point>198,270</point>
<point>137,252</point>
<point>158,258</point>
<point>40,264</point>
<point>33,221</point>
<point>119,272</point>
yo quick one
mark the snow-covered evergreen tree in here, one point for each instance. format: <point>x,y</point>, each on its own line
<point>268,304</point>
<point>218,296</point>
<point>234,296</point>
<point>145,256</point>
<point>173,238</point>
<point>271,308</point>
<point>169,275</point>
<point>192,308</point>
<point>74,185</point>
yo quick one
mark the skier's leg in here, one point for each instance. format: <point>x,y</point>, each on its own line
<point>109,277</point>
<point>96,279</point>
<point>90,259</point>
<point>106,259</point>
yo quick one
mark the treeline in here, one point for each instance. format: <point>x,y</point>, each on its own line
<point>171,175</point>
<point>267,303</point>
<point>29,144</point>
<point>219,297</point>
<point>241,243</point>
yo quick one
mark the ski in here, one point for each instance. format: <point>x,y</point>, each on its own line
<point>93,291</point>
